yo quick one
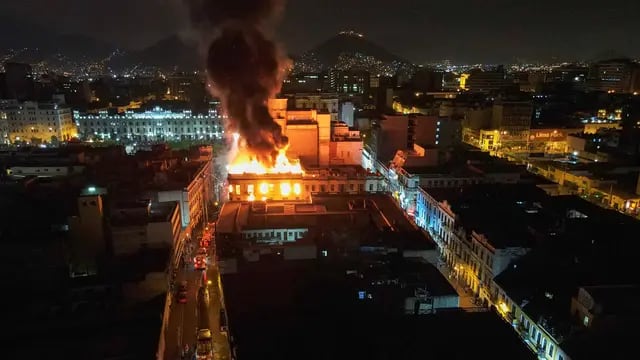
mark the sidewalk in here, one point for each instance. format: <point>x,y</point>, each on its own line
<point>466,298</point>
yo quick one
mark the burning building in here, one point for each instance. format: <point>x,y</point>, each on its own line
<point>313,140</point>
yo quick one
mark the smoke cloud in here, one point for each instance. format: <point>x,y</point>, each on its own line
<point>245,67</point>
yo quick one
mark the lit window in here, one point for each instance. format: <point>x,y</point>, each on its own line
<point>297,189</point>
<point>230,188</point>
<point>285,189</point>
<point>264,188</point>
<point>250,188</point>
<point>237,189</point>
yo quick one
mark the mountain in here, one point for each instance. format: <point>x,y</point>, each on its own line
<point>328,53</point>
<point>43,44</point>
<point>77,46</point>
<point>171,52</point>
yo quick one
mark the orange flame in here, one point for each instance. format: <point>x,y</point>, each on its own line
<point>246,163</point>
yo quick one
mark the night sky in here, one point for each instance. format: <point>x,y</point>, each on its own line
<point>420,30</point>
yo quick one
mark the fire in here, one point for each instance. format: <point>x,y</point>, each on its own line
<point>246,163</point>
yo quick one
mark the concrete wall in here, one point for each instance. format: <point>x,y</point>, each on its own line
<point>182,197</point>
<point>345,153</point>
<point>303,143</point>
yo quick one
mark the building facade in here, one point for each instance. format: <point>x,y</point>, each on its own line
<point>34,122</point>
<point>615,76</point>
<point>152,125</point>
<point>300,187</point>
<point>314,137</point>
<point>194,197</point>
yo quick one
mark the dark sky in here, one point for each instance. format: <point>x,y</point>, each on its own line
<point>462,30</point>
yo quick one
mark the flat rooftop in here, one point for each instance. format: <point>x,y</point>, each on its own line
<point>324,211</point>
<point>158,212</point>
<point>308,310</point>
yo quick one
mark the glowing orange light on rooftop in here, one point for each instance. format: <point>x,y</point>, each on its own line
<point>245,162</point>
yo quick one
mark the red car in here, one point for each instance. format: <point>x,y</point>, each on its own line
<point>200,262</point>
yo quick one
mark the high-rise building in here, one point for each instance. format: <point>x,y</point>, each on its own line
<point>87,232</point>
<point>322,102</point>
<point>486,81</point>
<point>40,122</point>
<point>350,82</point>
<point>512,119</point>
<point>4,127</point>
<point>402,132</point>
<point>568,73</point>
<point>614,75</point>
<point>306,83</point>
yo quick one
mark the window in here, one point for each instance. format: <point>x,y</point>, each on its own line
<point>551,348</point>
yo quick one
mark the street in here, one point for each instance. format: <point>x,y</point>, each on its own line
<point>180,336</point>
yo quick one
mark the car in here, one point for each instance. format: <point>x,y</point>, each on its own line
<point>182,292</point>
<point>182,297</point>
<point>200,262</point>
<point>202,251</point>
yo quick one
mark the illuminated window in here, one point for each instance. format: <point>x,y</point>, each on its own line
<point>264,188</point>
<point>250,188</point>
<point>285,189</point>
<point>230,188</point>
<point>297,189</point>
<point>237,189</point>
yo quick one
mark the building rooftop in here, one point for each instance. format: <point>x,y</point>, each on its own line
<point>418,272</point>
<point>301,122</point>
<point>478,206</point>
<point>143,213</point>
<point>288,297</point>
<point>582,253</point>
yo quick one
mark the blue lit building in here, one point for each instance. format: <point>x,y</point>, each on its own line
<point>152,125</point>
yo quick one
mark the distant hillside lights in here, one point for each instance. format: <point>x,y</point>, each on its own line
<point>156,124</point>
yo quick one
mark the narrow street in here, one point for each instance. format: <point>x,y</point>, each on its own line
<point>180,336</point>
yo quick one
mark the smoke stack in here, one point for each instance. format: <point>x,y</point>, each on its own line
<point>245,68</point>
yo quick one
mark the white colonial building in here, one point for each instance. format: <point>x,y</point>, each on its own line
<point>156,124</point>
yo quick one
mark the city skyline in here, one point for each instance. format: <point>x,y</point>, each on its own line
<point>497,31</point>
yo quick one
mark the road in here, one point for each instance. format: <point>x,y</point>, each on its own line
<point>183,319</point>
<point>395,215</point>
<point>392,213</point>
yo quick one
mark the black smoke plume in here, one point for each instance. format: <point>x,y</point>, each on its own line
<point>245,67</point>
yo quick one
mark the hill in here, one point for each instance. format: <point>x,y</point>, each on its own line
<point>348,42</point>
<point>350,50</point>
<point>171,52</point>
<point>43,44</point>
